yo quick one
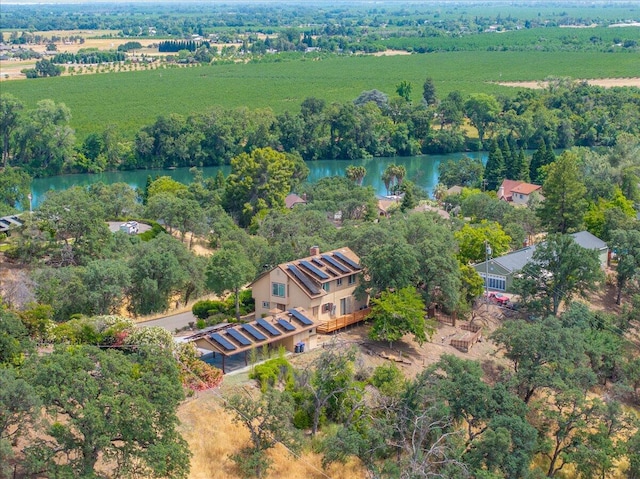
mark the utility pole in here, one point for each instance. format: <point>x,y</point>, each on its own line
<point>487,255</point>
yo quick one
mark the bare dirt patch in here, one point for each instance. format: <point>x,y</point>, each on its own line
<point>604,82</point>
<point>389,53</point>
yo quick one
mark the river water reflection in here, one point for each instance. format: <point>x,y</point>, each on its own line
<point>422,170</point>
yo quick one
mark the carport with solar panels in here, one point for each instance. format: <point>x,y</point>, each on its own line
<point>290,329</point>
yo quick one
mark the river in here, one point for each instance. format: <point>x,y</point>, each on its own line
<point>422,170</point>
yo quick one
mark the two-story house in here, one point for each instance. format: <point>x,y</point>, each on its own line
<point>517,192</point>
<point>322,283</point>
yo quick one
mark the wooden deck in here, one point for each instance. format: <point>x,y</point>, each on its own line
<point>342,322</point>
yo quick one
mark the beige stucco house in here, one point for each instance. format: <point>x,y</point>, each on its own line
<point>517,192</point>
<point>323,284</point>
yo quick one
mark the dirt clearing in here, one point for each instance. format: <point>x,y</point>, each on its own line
<point>604,82</point>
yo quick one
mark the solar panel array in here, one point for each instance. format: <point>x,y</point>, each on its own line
<point>268,327</point>
<point>258,336</point>
<point>239,337</point>
<point>222,342</point>
<point>349,261</point>
<point>305,280</point>
<point>335,264</point>
<point>300,317</point>
<point>286,325</point>
<point>320,274</point>
<point>318,262</point>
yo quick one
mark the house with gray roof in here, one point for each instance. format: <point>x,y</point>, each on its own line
<point>499,272</point>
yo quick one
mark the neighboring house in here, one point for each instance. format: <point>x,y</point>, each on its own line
<point>292,329</point>
<point>322,283</point>
<point>501,271</point>
<point>386,205</point>
<point>292,199</point>
<point>517,192</point>
<point>454,190</point>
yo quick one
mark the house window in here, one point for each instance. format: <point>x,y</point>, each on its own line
<point>277,289</point>
<point>326,287</point>
<point>339,282</point>
<point>497,283</point>
<point>266,304</point>
<point>352,279</point>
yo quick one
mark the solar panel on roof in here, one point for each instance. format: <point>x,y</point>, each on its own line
<point>222,342</point>
<point>349,261</point>
<point>300,317</point>
<point>238,337</point>
<point>312,288</point>
<point>318,262</point>
<point>268,327</point>
<point>335,264</point>
<point>286,325</point>
<point>314,270</point>
<point>254,332</point>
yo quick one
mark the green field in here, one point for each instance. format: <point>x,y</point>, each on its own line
<point>133,99</point>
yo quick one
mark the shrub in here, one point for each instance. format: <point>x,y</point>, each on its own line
<point>204,309</point>
<point>272,372</point>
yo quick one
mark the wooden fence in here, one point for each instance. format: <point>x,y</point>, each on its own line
<point>465,341</point>
<point>335,324</point>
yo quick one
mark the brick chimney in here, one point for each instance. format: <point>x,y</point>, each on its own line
<point>314,251</point>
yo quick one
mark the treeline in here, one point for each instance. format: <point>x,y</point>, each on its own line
<point>177,45</point>
<point>373,125</point>
<point>91,57</point>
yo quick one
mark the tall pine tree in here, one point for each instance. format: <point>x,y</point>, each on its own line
<point>543,156</point>
<point>494,171</point>
<point>564,206</point>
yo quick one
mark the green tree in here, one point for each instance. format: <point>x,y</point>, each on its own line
<point>495,170</point>
<point>105,284</point>
<point>118,407</point>
<point>482,110</point>
<point>473,240</point>
<point>429,92</point>
<point>15,187</point>
<point>626,245</point>
<point>76,220</point>
<point>19,406</point>
<point>14,339</point>
<point>10,108</point>
<point>45,141</point>
<point>544,354</point>
<point>390,266</point>
<point>269,421</point>
<point>559,270</point>
<point>403,89</point>
<point>258,182</point>
<point>159,268</point>
<point>229,269</point>
<point>543,156</point>
<point>601,214</point>
<point>438,274</point>
<point>356,173</point>
<point>396,313</point>
<point>119,200</point>
<point>498,437</point>
<point>164,184</point>
<point>327,387</point>
<point>564,206</point>
<point>464,172</point>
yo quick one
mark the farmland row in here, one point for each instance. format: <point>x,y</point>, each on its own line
<point>123,99</point>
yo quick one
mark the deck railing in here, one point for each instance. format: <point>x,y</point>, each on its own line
<point>340,322</point>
